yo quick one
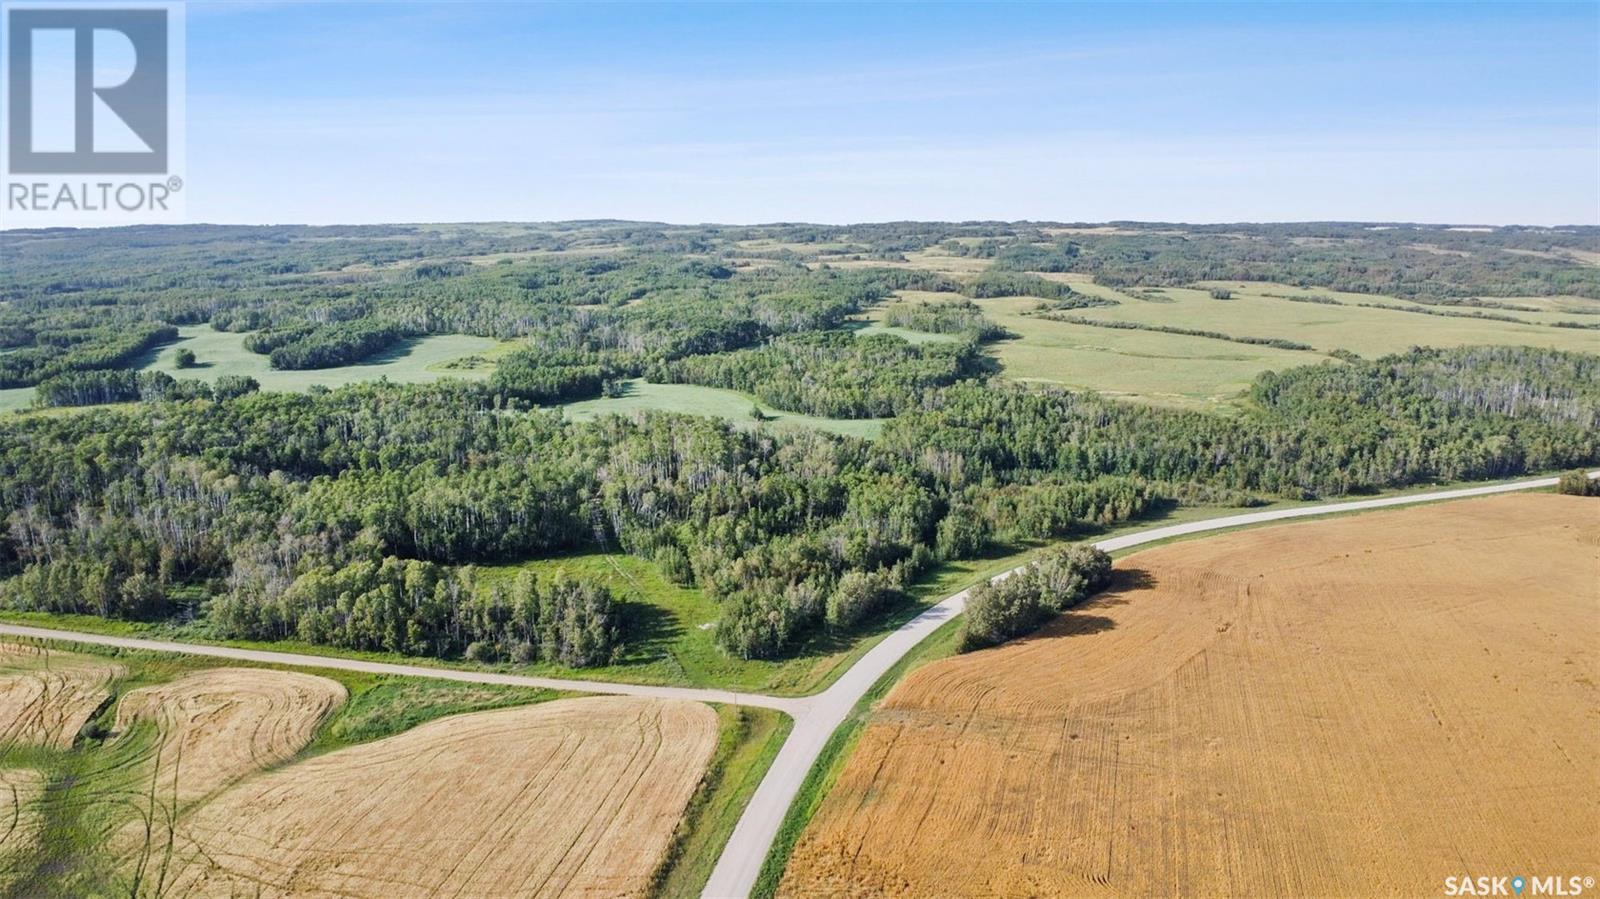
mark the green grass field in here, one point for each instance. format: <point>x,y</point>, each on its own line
<point>414,361</point>
<point>1361,329</point>
<point>674,641</point>
<point>217,353</point>
<point>1165,369</point>
<point>690,399</point>
<point>1201,372</point>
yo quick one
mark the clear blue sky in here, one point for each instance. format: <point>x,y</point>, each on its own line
<point>317,112</point>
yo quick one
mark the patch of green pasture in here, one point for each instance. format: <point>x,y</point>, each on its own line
<point>416,360</point>
<point>692,399</point>
<point>1162,369</point>
<point>13,399</point>
<point>383,706</point>
<point>672,631</point>
<point>1364,330</point>
<point>1361,329</point>
<point>1201,372</point>
<point>413,361</point>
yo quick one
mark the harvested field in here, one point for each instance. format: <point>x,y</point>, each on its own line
<point>214,727</point>
<point>1356,706</point>
<point>572,797</point>
<point>47,696</point>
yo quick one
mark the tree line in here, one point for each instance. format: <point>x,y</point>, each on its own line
<point>133,511</point>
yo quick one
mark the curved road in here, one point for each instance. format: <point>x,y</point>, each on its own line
<point>815,717</point>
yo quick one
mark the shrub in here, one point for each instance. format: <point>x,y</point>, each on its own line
<point>184,358</point>
<point>857,595</point>
<point>674,564</point>
<point>1578,483</point>
<point>230,386</point>
<point>998,611</point>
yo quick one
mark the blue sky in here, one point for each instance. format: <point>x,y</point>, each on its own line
<point>371,112</point>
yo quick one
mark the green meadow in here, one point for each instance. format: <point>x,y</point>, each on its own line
<point>1260,310</point>
<point>690,399</point>
<point>1205,372</point>
<point>217,353</point>
<point>1166,369</point>
<point>414,361</point>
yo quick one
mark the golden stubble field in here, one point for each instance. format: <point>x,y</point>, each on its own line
<point>1355,706</point>
<point>574,797</point>
<point>216,726</point>
<point>47,696</point>
<point>204,789</point>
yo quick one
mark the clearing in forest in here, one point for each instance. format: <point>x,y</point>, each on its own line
<point>1356,706</point>
<point>47,696</point>
<point>572,797</point>
<point>713,402</point>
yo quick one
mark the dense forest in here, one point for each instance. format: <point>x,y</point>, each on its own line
<point>302,515</point>
<point>357,517</point>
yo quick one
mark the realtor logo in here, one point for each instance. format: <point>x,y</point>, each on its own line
<point>108,67</point>
<point>93,95</point>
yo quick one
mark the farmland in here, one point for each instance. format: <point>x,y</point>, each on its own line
<point>215,726</point>
<point>198,779</point>
<point>1201,372</point>
<point>45,699</point>
<point>1216,722</point>
<point>730,458</point>
<point>1164,369</point>
<point>578,796</point>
